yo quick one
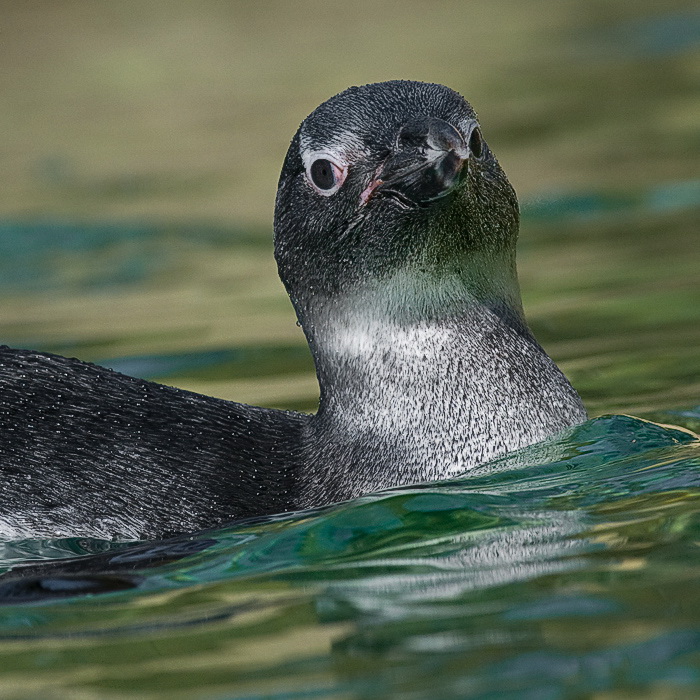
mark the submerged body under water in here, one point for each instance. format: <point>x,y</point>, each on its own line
<point>562,570</point>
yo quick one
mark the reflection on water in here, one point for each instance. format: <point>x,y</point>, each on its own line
<point>567,570</point>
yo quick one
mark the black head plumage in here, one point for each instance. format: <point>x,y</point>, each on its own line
<point>412,183</point>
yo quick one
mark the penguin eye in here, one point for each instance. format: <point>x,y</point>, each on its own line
<point>325,175</point>
<point>476,143</point>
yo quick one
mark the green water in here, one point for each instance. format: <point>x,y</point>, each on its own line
<point>134,231</point>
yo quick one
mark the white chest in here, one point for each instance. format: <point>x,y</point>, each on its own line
<point>444,395</point>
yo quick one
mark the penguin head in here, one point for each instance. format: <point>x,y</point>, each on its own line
<point>384,178</point>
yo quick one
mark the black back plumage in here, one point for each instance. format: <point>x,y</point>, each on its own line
<point>87,450</point>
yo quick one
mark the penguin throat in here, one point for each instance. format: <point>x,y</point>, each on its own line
<point>405,321</point>
<point>415,295</point>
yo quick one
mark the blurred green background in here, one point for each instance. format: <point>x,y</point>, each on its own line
<point>141,143</point>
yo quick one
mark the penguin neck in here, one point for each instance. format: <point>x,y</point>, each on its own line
<point>423,376</point>
<point>401,323</point>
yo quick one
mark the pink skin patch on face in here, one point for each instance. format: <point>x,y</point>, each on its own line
<point>340,173</point>
<point>367,192</point>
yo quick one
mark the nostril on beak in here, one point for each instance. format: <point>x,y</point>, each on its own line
<point>433,134</point>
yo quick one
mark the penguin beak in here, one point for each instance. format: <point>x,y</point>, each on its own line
<point>425,164</point>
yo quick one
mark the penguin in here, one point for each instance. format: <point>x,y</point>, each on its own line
<point>395,231</point>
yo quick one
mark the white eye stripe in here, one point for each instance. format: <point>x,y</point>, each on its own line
<point>343,146</point>
<point>336,157</point>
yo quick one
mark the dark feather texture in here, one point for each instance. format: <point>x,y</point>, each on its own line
<point>85,450</point>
